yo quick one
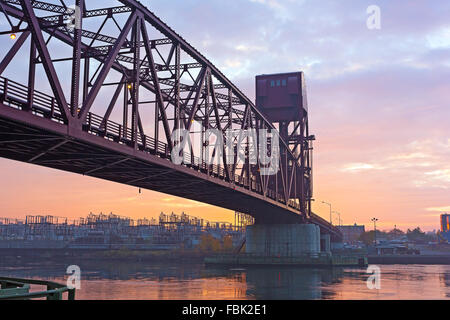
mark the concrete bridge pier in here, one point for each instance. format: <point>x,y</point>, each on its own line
<point>285,240</point>
<point>290,245</point>
<point>325,243</point>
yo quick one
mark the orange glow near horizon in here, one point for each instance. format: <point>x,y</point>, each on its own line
<point>35,190</point>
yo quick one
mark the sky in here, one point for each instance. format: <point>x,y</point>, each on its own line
<point>378,102</point>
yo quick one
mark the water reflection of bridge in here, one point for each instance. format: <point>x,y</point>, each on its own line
<point>252,283</point>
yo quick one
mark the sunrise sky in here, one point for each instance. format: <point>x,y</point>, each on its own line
<point>378,99</point>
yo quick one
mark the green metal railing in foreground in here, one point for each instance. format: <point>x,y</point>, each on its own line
<point>18,289</point>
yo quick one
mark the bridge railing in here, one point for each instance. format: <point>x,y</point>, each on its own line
<point>16,95</point>
<point>19,289</point>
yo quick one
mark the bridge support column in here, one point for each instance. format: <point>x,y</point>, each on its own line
<point>325,243</point>
<point>284,240</point>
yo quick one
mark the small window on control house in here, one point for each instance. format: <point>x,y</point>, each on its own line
<point>278,83</point>
<point>284,82</point>
<point>272,83</point>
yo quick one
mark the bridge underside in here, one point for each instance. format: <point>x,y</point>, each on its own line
<point>27,138</point>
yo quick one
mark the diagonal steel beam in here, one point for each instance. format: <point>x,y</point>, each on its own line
<point>109,61</point>
<point>219,126</point>
<point>194,109</point>
<point>106,166</point>
<point>198,81</point>
<point>40,154</point>
<point>186,47</point>
<point>243,126</point>
<point>13,51</point>
<point>163,173</point>
<point>112,103</point>
<point>41,46</point>
<point>64,36</point>
<point>159,97</point>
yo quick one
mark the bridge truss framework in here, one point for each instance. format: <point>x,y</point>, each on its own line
<point>152,82</point>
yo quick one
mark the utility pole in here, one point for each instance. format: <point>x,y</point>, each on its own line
<point>339,217</point>
<point>375,228</point>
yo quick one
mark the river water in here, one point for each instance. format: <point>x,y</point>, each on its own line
<point>122,280</point>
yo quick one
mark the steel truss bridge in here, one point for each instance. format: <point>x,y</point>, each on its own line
<point>130,81</point>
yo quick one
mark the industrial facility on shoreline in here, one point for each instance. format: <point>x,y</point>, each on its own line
<point>110,231</point>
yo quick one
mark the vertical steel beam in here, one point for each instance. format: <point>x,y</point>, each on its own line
<point>31,76</point>
<point>136,80</point>
<point>125,110</point>
<point>302,172</point>
<point>76,58</point>
<point>258,164</point>
<point>157,107</point>
<point>247,159</point>
<point>206,120</point>
<point>87,64</point>
<point>230,127</point>
<point>309,163</point>
<point>177,87</point>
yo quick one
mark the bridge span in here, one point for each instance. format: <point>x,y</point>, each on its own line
<point>133,82</point>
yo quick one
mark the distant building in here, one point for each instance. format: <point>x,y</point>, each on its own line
<point>445,222</point>
<point>445,226</point>
<point>352,233</point>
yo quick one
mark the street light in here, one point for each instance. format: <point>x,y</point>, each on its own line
<point>375,228</point>
<point>339,217</point>
<point>331,221</point>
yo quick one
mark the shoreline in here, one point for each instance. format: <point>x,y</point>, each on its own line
<point>184,256</point>
<point>443,259</point>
